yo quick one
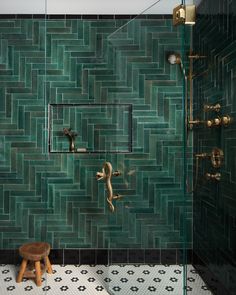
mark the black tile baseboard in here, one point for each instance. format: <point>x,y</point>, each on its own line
<point>87,256</point>
<point>102,256</point>
<point>107,256</point>
<point>8,256</point>
<point>71,256</point>
<point>119,256</point>
<point>136,255</point>
<point>153,256</point>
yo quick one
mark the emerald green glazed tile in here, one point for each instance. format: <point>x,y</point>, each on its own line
<point>56,196</point>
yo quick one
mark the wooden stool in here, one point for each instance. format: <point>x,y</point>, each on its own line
<point>32,253</point>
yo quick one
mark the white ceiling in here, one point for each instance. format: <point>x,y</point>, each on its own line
<point>87,6</point>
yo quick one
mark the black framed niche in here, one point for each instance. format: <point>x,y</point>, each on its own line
<point>90,128</point>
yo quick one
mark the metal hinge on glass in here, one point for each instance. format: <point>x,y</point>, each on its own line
<point>184,14</point>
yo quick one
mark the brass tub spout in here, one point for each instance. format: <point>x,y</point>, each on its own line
<point>106,174</point>
<point>71,135</point>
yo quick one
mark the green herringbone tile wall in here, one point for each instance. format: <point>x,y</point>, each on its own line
<point>56,197</point>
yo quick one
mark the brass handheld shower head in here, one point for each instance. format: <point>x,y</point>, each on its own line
<point>174,58</point>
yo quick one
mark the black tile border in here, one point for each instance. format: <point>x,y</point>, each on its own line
<point>23,16</point>
<point>70,256</point>
<point>153,256</point>
<point>85,16</point>
<point>7,256</point>
<point>41,16</point>
<point>136,255</point>
<point>212,282</point>
<point>107,256</point>
<point>184,256</point>
<point>118,256</point>
<point>102,256</point>
<point>7,16</point>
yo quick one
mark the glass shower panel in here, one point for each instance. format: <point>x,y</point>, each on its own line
<point>150,219</point>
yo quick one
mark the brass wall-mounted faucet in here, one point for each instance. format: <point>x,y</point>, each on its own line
<point>106,174</point>
<point>71,135</point>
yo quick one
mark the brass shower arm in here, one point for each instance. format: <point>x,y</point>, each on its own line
<point>197,56</point>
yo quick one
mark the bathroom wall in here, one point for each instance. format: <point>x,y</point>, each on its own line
<point>214,235</point>
<point>56,197</point>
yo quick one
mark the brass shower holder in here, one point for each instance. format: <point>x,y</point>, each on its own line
<point>217,157</point>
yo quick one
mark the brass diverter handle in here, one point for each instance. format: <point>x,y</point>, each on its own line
<point>213,122</point>
<point>216,176</point>
<point>216,156</point>
<point>226,120</point>
<point>208,108</point>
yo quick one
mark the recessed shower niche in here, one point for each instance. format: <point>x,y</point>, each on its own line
<point>90,128</point>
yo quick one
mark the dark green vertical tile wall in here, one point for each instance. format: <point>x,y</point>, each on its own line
<point>56,197</point>
<point>214,234</point>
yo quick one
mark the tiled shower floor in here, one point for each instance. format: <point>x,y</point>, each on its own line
<point>100,279</point>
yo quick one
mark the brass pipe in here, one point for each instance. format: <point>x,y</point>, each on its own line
<point>190,90</point>
<point>197,56</point>
<point>71,135</point>
<point>194,122</point>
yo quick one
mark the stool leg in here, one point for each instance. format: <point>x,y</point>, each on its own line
<point>48,265</point>
<point>21,271</point>
<point>38,273</point>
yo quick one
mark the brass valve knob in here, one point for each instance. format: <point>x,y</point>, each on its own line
<point>215,108</point>
<point>209,123</point>
<point>213,122</point>
<point>226,120</point>
<point>216,176</point>
<point>217,121</point>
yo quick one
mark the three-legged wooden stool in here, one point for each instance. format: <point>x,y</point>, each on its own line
<point>32,254</point>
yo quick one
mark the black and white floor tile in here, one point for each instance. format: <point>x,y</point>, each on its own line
<point>100,279</point>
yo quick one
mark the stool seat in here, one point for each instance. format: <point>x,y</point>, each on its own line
<point>32,254</point>
<point>34,251</point>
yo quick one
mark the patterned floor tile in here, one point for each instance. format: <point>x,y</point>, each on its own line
<point>100,279</point>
